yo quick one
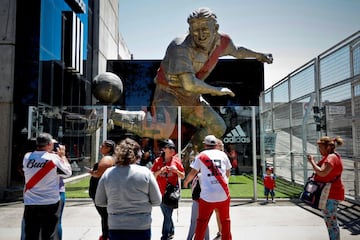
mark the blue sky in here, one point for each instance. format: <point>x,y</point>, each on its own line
<point>294,31</point>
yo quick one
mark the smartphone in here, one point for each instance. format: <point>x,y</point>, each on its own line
<point>87,168</point>
<point>56,146</point>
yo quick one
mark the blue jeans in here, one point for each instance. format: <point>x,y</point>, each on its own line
<point>168,224</point>
<point>22,237</point>
<point>60,212</point>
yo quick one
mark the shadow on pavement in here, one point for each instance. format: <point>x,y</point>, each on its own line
<point>348,215</point>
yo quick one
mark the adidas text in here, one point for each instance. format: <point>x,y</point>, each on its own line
<point>238,139</point>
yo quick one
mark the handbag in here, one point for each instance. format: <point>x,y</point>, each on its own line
<point>315,194</point>
<point>172,196</point>
<point>195,195</point>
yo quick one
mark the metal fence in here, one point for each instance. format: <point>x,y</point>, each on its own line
<point>322,97</point>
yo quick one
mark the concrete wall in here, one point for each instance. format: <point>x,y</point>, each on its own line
<point>7,63</point>
<point>124,52</point>
<point>108,40</point>
<point>108,45</point>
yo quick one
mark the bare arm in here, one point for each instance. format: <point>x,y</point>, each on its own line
<point>322,170</point>
<point>180,174</point>
<point>64,166</point>
<point>228,173</point>
<point>174,169</point>
<point>105,162</point>
<point>190,177</point>
<point>160,171</point>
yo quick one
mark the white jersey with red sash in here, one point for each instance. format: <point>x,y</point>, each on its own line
<point>42,187</point>
<point>213,164</point>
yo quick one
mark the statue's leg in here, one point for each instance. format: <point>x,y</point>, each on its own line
<point>164,109</point>
<point>207,121</point>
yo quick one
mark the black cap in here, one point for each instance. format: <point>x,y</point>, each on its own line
<point>109,143</point>
<point>169,143</point>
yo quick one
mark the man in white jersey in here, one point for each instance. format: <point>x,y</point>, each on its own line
<point>41,192</point>
<point>214,166</point>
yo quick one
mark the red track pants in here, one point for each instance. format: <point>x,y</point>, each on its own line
<point>205,211</point>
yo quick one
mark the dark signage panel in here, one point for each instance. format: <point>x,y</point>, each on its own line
<point>244,77</point>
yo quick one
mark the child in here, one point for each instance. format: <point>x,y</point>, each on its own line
<point>269,184</point>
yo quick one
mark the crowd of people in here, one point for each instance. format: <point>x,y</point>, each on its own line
<point>125,212</point>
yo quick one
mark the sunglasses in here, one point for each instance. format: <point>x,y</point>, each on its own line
<point>169,147</point>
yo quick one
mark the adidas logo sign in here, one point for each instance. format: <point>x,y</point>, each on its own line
<point>237,135</point>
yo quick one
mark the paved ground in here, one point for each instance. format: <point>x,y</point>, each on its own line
<point>280,221</point>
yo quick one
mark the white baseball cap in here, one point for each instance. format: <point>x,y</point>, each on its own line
<point>210,140</point>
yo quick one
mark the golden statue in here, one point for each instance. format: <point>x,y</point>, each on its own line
<point>187,63</point>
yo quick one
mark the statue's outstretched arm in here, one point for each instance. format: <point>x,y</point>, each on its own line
<point>241,52</point>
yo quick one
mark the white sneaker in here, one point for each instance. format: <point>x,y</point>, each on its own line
<point>273,201</point>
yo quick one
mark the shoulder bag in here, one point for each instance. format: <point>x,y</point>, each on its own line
<point>315,194</point>
<point>172,194</point>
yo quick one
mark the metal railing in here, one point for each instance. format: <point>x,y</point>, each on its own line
<point>322,97</point>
